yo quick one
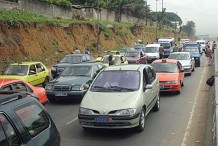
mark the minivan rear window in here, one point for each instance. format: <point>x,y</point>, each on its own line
<point>34,118</point>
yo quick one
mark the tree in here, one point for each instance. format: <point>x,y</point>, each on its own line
<point>189,28</point>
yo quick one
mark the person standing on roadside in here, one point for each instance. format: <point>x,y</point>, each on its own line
<point>213,46</point>
<point>209,55</point>
<point>175,48</point>
<point>77,51</point>
<point>161,51</point>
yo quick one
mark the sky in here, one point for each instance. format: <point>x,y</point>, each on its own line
<point>204,13</point>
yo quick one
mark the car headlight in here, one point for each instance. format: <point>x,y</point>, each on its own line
<point>187,66</point>
<point>85,111</point>
<point>77,88</point>
<point>49,87</point>
<point>125,112</point>
<point>172,82</point>
<point>53,69</point>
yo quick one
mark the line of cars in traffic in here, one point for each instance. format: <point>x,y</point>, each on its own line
<point>118,96</point>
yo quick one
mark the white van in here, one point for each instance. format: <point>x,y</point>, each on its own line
<point>152,52</point>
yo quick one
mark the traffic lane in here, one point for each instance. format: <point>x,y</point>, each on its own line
<point>166,127</point>
<point>64,112</point>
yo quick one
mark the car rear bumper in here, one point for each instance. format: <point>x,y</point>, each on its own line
<point>115,122</point>
<point>170,88</point>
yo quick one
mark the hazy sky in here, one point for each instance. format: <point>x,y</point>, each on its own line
<point>203,12</point>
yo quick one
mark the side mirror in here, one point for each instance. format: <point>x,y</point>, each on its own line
<point>149,86</point>
<point>32,72</point>
<point>86,86</point>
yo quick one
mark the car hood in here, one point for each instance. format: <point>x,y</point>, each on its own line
<point>185,62</point>
<point>62,65</point>
<point>195,55</point>
<point>71,80</point>
<point>132,58</point>
<point>109,101</point>
<point>98,59</point>
<point>167,76</point>
<point>151,54</point>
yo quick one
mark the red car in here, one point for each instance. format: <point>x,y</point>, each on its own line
<point>19,85</point>
<point>136,57</point>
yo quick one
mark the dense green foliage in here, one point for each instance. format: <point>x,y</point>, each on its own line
<point>13,16</point>
<point>64,3</point>
<point>189,28</point>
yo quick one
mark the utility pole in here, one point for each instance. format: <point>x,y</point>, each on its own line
<point>156,20</point>
<point>98,28</point>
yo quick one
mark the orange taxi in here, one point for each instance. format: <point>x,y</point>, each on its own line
<point>170,74</point>
<point>20,85</point>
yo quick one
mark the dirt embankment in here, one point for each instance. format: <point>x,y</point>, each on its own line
<point>49,42</point>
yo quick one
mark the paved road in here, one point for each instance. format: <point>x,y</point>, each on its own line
<point>166,127</point>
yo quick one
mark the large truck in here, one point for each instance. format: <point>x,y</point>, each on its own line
<point>167,43</point>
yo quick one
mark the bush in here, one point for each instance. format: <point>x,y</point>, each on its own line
<point>63,3</point>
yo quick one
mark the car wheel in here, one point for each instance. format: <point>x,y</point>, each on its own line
<point>182,84</point>
<point>156,107</point>
<point>141,125</point>
<point>193,69</point>
<point>45,82</point>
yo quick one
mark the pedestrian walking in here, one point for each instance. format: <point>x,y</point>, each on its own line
<point>209,55</point>
<point>213,46</point>
<point>110,59</point>
<point>77,51</point>
<point>161,51</point>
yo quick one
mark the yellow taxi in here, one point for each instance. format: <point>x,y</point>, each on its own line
<point>34,73</point>
<point>170,74</point>
<point>106,53</point>
<point>117,59</point>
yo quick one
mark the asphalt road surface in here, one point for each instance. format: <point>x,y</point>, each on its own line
<point>180,120</point>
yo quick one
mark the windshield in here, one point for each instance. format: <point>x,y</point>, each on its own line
<point>191,50</point>
<point>118,80</point>
<point>165,45</point>
<point>123,50</point>
<point>138,46</point>
<point>151,49</point>
<point>77,71</point>
<point>16,70</point>
<point>105,59</point>
<point>71,59</point>
<point>191,45</point>
<point>179,56</point>
<point>132,54</point>
<point>165,67</point>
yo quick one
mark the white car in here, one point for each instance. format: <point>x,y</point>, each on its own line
<point>186,59</point>
<point>152,52</point>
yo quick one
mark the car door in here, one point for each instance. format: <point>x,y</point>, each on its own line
<point>181,73</point>
<point>148,93</point>
<point>42,74</point>
<point>32,75</point>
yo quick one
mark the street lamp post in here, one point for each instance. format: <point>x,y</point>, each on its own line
<point>98,29</point>
<point>156,20</point>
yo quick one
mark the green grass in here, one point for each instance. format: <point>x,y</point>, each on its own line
<point>25,16</point>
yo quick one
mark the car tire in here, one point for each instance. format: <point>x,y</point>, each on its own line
<point>141,125</point>
<point>156,107</point>
<point>193,69</point>
<point>51,100</point>
<point>45,82</point>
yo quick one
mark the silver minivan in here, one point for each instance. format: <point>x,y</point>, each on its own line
<point>120,97</point>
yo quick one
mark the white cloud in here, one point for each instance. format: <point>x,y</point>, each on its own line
<point>203,12</point>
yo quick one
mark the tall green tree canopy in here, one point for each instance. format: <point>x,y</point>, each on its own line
<point>189,28</point>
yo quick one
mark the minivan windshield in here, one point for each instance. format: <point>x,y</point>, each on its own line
<point>116,81</point>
